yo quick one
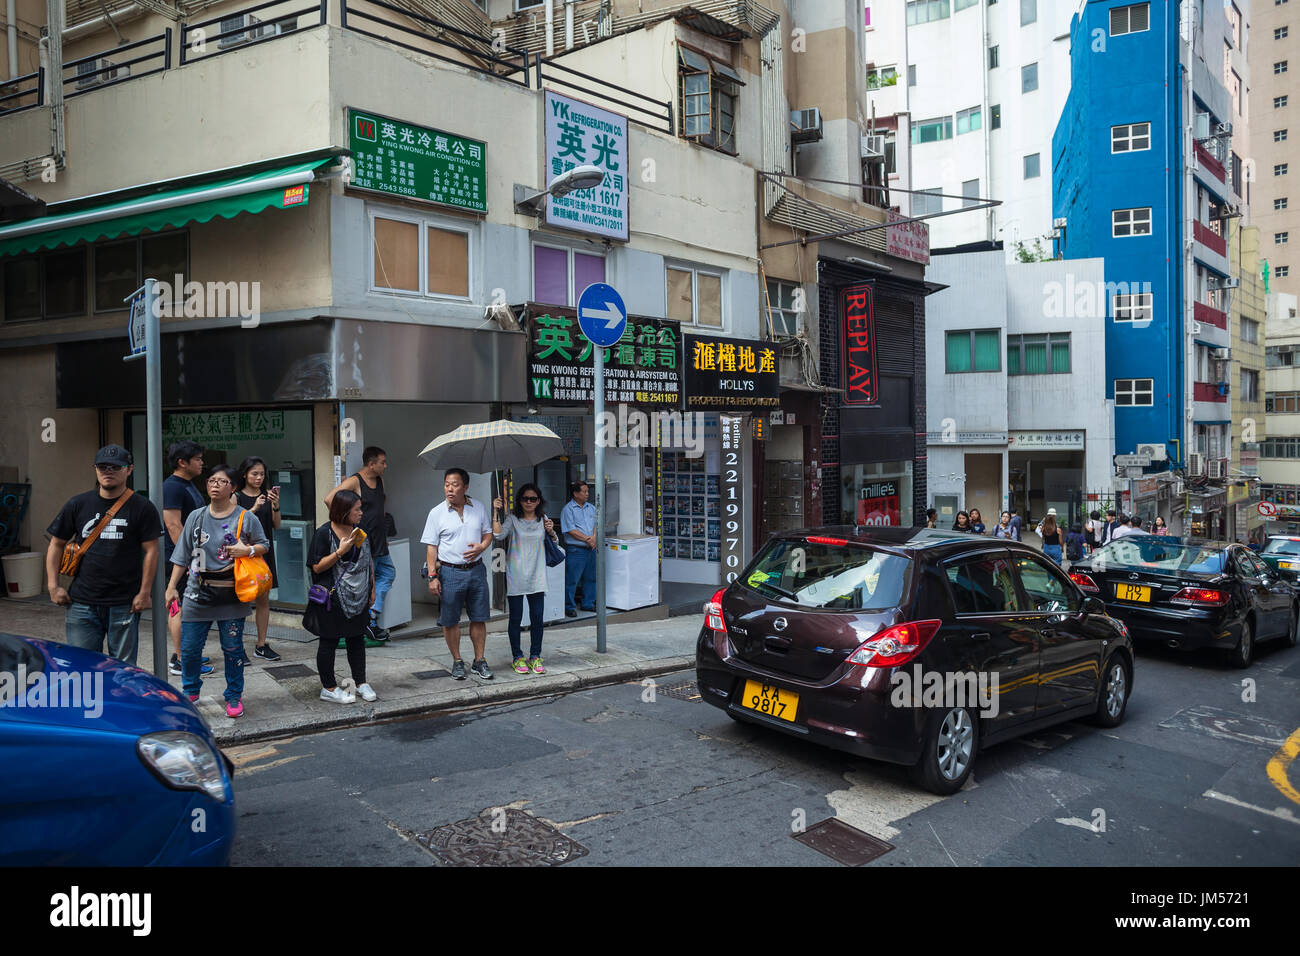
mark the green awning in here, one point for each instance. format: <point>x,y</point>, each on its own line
<point>273,189</point>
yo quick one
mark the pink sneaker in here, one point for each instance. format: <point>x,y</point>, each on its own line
<point>536,664</point>
<point>236,709</point>
<point>194,698</point>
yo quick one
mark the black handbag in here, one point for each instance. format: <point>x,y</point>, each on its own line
<point>554,553</point>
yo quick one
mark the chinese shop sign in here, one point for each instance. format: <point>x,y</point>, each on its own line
<point>858,346</point>
<point>730,373</point>
<point>416,162</point>
<point>223,431</point>
<point>641,368</point>
<point>581,135</point>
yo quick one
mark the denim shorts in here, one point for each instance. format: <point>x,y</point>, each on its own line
<point>464,589</point>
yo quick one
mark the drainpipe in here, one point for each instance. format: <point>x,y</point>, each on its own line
<point>568,24</point>
<point>550,28</point>
<point>11,18</point>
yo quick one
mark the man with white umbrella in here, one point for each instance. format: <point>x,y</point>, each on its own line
<point>456,534</point>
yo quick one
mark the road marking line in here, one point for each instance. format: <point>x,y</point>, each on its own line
<point>1280,762</point>
<point>1076,822</point>
<point>1281,813</point>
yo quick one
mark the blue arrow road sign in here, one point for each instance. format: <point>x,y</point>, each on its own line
<point>601,314</point>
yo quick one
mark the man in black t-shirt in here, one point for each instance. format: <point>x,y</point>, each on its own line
<point>180,497</point>
<point>116,573</point>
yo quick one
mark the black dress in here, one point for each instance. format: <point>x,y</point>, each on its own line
<point>315,619</point>
<point>265,515</point>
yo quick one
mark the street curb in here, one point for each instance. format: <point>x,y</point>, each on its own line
<point>460,698</point>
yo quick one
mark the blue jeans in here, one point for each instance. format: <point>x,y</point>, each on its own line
<point>580,565</point>
<point>536,613</point>
<point>1053,551</point>
<point>193,636</point>
<point>385,572</point>
<point>87,625</point>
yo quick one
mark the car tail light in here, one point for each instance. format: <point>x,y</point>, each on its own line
<point>817,539</point>
<point>713,613</point>
<point>896,645</point>
<point>1085,582</point>
<point>1208,596</point>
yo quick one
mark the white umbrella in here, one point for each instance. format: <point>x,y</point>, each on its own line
<point>490,446</point>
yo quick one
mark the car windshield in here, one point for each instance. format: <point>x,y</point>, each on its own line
<point>1152,553</point>
<point>817,574</point>
<point>1282,546</point>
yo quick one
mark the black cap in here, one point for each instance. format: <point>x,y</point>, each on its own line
<point>114,455</point>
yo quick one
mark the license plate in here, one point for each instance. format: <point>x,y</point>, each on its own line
<point>1285,564</point>
<point>773,701</point>
<point>1133,592</point>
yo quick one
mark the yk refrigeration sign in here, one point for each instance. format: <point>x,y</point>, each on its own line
<point>861,382</point>
<point>578,134</point>
<point>643,367</point>
<point>416,162</point>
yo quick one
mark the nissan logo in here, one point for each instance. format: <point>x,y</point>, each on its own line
<point>1132,577</point>
<point>779,624</point>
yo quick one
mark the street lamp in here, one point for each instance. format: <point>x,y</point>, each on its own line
<point>528,201</point>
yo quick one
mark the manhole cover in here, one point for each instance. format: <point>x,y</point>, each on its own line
<point>290,671</point>
<point>501,837</point>
<point>683,691</point>
<point>430,675</point>
<point>843,843</point>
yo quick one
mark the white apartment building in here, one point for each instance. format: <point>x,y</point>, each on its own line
<point>980,88</point>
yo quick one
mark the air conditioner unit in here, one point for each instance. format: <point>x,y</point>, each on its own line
<point>1229,210</point>
<point>1154,452</point>
<point>1230,282</point>
<point>99,71</point>
<point>1059,222</point>
<point>252,28</point>
<point>806,126</point>
<point>1223,129</point>
<point>1195,465</point>
<point>873,147</point>
<point>1220,355</point>
<point>1218,468</point>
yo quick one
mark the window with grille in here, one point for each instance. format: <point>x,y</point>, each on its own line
<point>1281,238</point>
<point>1280,169</point>
<point>973,350</point>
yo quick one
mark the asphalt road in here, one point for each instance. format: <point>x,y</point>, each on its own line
<point>670,781</point>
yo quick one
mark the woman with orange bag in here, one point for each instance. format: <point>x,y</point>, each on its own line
<point>210,542</point>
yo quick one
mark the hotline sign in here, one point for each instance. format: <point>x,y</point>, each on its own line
<point>858,346</point>
<point>878,504</point>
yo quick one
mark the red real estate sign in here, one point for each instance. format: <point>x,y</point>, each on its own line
<point>858,346</point>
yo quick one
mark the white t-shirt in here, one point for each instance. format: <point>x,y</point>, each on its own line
<point>453,534</point>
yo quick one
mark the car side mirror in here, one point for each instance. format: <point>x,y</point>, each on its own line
<point>1094,605</point>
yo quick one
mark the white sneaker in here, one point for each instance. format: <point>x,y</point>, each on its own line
<point>337,696</point>
<point>367,693</point>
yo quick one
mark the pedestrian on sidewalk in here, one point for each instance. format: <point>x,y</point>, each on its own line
<point>522,533</point>
<point>977,522</point>
<point>1015,525</point>
<point>1075,544</point>
<point>578,522</point>
<point>369,484</point>
<point>961,522</point>
<point>341,567</point>
<point>931,518</point>
<point>456,534</point>
<point>1051,535</point>
<point>1112,524</point>
<point>1094,531</point>
<point>1003,528</point>
<point>180,499</point>
<point>265,504</point>
<point>114,578</point>
<point>213,537</point>
<point>1160,526</point>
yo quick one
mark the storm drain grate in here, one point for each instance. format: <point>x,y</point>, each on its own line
<point>501,837</point>
<point>687,690</point>
<point>843,843</point>
<point>430,675</point>
<point>290,671</point>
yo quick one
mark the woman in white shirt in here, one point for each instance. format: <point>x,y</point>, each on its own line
<point>522,534</point>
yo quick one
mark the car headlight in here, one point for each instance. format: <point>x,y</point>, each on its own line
<point>184,761</point>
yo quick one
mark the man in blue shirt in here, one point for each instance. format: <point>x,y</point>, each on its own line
<point>578,522</point>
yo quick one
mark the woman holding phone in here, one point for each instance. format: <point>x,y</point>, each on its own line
<point>253,495</point>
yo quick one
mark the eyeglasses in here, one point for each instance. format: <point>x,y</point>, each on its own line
<point>108,468</point>
<point>218,481</point>
<point>531,498</point>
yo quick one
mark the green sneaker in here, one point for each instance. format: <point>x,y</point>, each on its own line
<point>521,666</point>
<point>536,664</point>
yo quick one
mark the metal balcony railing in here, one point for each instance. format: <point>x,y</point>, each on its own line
<point>243,28</point>
<point>22,92</point>
<point>106,68</point>
<point>645,109</point>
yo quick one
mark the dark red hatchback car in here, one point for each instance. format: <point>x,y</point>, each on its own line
<point>914,646</point>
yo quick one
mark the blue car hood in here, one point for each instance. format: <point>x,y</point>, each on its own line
<point>109,696</point>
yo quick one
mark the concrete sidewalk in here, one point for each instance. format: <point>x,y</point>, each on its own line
<point>411,675</point>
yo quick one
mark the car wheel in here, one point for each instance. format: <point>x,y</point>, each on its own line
<point>951,742</point>
<point>1244,652</point>
<point>1112,697</point>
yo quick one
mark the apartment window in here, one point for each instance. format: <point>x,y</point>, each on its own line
<point>709,89</point>
<point>993,57</point>
<point>932,130</point>
<point>1234,88</point>
<point>1279,67</point>
<point>1249,385</point>
<point>1275,357</point>
<point>1280,169</point>
<point>1028,12</point>
<point>1280,203</point>
<point>963,4</point>
<point>1134,18</point>
<point>1281,238</point>
<point>419,256</point>
<point>694,296</point>
<point>1280,448</point>
<point>969,120</point>
<point>785,305</point>
<point>1279,102</point>
<point>911,75</point>
<point>1282,401</point>
<point>924,11</point>
<point>1249,330</point>
<point>1029,78</point>
<point>1134,391</point>
<point>973,350</point>
<point>884,76</point>
<point>970,193</point>
<point>1234,174</point>
<point>1279,136</point>
<point>1234,21</point>
<point>1281,272</point>
<point>1133,307</point>
<point>1130,138</point>
<point>1032,170</point>
<point>560,274</point>
<point>1038,354</point>
<point>891,153</point>
<point>1130,222</point>
<point>1281,33</point>
<point>926,201</point>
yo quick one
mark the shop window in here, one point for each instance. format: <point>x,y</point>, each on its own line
<point>1134,391</point>
<point>1038,354</point>
<point>709,91</point>
<point>694,296</point>
<point>560,275</point>
<point>973,351</point>
<point>420,256</point>
<point>785,306</point>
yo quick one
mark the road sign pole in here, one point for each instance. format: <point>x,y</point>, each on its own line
<point>599,356</point>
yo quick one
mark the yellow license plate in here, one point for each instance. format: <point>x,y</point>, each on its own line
<point>773,701</point>
<point>1133,592</point>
